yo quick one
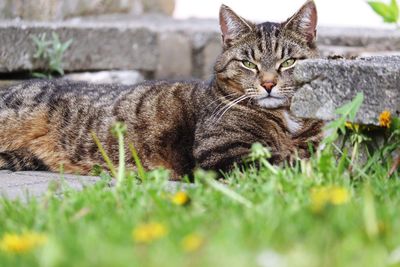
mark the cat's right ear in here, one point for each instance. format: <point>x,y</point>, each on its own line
<point>232,25</point>
<point>304,22</point>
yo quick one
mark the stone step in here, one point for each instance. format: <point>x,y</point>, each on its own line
<point>161,46</point>
<point>326,85</point>
<point>44,10</point>
<point>95,46</point>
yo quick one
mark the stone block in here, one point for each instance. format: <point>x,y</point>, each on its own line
<point>159,6</point>
<point>210,53</point>
<point>95,46</point>
<point>175,56</point>
<point>325,85</point>
<point>368,38</point>
<point>49,10</point>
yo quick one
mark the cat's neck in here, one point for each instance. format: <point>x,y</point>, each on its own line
<point>220,90</point>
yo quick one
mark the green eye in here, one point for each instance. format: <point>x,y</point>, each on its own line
<point>288,63</point>
<point>249,64</point>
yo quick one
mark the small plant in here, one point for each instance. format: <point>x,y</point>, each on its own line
<point>52,52</point>
<point>389,12</point>
<point>347,113</point>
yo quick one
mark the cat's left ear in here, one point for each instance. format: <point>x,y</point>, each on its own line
<point>304,22</point>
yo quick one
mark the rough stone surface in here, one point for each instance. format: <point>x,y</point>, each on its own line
<point>207,56</point>
<point>94,47</point>
<point>45,10</point>
<point>326,85</point>
<point>20,185</point>
<point>159,6</point>
<point>122,77</point>
<point>368,38</point>
<point>175,56</point>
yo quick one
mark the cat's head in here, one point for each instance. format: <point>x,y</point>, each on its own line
<point>258,59</point>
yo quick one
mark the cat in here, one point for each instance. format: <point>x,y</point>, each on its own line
<point>46,124</point>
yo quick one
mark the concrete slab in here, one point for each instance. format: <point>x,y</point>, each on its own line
<point>20,185</point>
<point>14,185</point>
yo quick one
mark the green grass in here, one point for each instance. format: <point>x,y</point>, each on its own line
<point>255,217</point>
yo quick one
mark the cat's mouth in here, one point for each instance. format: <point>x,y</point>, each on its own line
<point>270,101</point>
<point>270,96</point>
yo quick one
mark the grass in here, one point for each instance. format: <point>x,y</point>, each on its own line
<point>51,53</point>
<point>327,211</point>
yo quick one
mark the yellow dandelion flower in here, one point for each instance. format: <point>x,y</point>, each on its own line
<point>338,195</point>
<point>323,196</point>
<point>180,198</point>
<point>148,232</point>
<point>20,243</point>
<point>192,242</point>
<point>319,198</point>
<point>352,126</point>
<point>385,118</point>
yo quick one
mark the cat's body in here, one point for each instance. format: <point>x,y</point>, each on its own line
<point>176,125</point>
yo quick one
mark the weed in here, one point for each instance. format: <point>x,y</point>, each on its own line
<point>51,52</point>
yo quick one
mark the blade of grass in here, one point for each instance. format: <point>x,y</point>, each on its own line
<point>118,130</point>
<point>138,163</point>
<point>369,213</point>
<point>104,154</point>
<point>209,179</point>
<point>228,192</point>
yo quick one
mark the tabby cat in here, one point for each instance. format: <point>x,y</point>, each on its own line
<point>176,125</point>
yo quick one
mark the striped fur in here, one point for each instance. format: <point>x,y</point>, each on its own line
<point>46,124</point>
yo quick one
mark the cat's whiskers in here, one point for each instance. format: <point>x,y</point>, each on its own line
<point>220,106</point>
<point>231,105</point>
<point>221,98</point>
<point>215,114</point>
<point>223,101</point>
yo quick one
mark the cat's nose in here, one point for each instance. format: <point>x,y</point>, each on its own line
<point>268,85</point>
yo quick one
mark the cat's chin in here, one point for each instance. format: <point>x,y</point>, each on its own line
<point>271,102</point>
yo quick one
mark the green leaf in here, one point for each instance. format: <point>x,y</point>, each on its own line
<point>347,113</point>
<point>66,45</point>
<point>389,12</point>
<point>342,165</point>
<point>40,75</point>
<point>395,9</point>
<point>349,110</point>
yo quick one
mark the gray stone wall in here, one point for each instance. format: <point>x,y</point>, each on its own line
<point>160,46</point>
<point>45,10</point>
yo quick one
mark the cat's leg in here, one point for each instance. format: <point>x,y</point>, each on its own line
<point>28,142</point>
<point>20,160</point>
<point>308,140</point>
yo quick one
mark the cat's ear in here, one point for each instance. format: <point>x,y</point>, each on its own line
<point>304,22</point>
<point>232,25</point>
